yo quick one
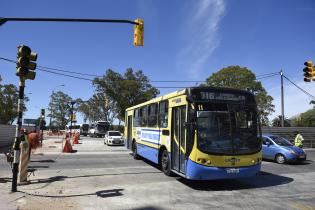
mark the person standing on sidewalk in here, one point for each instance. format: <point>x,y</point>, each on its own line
<point>298,141</point>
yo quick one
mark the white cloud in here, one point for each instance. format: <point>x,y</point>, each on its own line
<point>295,101</point>
<point>201,34</point>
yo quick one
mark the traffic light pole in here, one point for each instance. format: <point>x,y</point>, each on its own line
<point>17,140</point>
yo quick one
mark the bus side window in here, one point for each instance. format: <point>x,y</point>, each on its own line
<point>143,116</point>
<point>152,121</point>
<point>136,118</point>
<point>163,114</point>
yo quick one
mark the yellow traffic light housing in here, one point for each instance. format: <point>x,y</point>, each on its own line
<point>24,63</point>
<point>138,32</point>
<point>309,72</point>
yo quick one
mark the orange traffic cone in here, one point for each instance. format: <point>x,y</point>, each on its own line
<point>75,139</point>
<point>67,148</point>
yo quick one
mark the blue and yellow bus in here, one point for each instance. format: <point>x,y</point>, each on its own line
<point>200,133</point>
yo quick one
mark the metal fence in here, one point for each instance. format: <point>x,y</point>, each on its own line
<point>7,133</point>
<point>308,133</point>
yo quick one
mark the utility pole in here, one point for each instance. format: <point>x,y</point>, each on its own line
<point>71,117</point>
<point>282,100</point>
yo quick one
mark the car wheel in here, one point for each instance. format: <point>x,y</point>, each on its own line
<point>280,159</point>
<point>165,163</point>
<point>135,151</point>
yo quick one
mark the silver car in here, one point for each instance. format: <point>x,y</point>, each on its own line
<point>113,138</point>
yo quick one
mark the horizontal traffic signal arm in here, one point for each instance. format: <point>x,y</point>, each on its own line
<point>6,19</point>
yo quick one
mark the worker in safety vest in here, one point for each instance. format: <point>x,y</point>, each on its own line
<point>298,141</point>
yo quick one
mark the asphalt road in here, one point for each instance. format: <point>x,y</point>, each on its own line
<point>109,172</point>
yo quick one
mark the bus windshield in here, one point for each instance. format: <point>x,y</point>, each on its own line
<point>227,130</point>
<point>102,127</point>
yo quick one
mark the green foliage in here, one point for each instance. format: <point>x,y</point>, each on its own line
<point>59,108</point>
<point>9,95</point>
<point>277,122</point>
<point>306,119</point>
<point>125,90</point>
<point>243,78</point>
<point>95,109</point>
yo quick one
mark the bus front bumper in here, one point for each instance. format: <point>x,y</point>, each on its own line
<point>196,171</point>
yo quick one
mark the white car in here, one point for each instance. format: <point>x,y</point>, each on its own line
<point>113,138</point>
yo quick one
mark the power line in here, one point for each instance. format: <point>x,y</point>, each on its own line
<point>52,71</point>
<point>304,91</point>
<point>65,75</point>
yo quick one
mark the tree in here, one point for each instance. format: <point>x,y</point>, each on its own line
<point>9,95</point>
<point>276,122</point>
<point>305,119</point>
<point>125,90</point>
<point>95,108</point>
<point>60,108</point>
<point>244,79</point>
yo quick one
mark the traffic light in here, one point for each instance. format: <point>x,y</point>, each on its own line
<point>309,72</point>
<point>138,33</point>
<point>24,66</point>
<point>42,113</point>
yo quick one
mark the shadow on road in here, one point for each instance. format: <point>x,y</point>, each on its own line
<point>264,179</point>
<point>31,167</point>
<point>101,193</point>
<point>43,161</point>
<point>5,179</point>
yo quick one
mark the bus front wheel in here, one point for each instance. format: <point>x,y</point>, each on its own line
<point>165,163</point>
<point>134,151</point>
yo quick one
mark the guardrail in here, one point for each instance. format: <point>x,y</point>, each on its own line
<point>308,133</point>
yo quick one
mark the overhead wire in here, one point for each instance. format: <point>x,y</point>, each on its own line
<point>297,86</point>
<point>53,71</point>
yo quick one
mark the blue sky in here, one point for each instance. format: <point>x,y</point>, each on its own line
<point>184,40</point>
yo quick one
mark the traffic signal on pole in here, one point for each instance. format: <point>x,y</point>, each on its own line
<point>309,72</point>
<point>138,32</point>
<point>25,66</point>
<point>42,113</point>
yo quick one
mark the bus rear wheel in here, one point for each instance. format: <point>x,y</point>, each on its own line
<point>165,163</point>
<point>134,151</point>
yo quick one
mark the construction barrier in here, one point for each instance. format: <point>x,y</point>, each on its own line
<point>33,139</point>
<point>67,147</point>
<point>24,158</point>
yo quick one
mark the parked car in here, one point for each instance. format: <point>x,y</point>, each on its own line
<point>113,138</point>
<point>281,150</point>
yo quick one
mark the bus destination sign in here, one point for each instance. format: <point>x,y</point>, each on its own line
<point>221,96</point>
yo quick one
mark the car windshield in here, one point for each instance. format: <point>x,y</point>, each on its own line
<point>280,141</point>
<point>227,130</point>
<point>114,133</point>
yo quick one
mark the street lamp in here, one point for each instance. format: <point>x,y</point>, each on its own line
<point>51,101</point>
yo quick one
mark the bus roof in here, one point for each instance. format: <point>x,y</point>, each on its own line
<point>188,91</point>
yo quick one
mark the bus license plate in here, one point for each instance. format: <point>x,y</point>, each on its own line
<point>232,170</point>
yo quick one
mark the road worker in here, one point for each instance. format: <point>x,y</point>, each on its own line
<point>298,141</point>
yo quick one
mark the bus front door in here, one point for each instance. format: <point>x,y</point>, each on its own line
<point>129,132</point>
<point>178,139</point>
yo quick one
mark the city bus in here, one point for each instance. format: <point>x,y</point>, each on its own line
<point>199,133</point>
